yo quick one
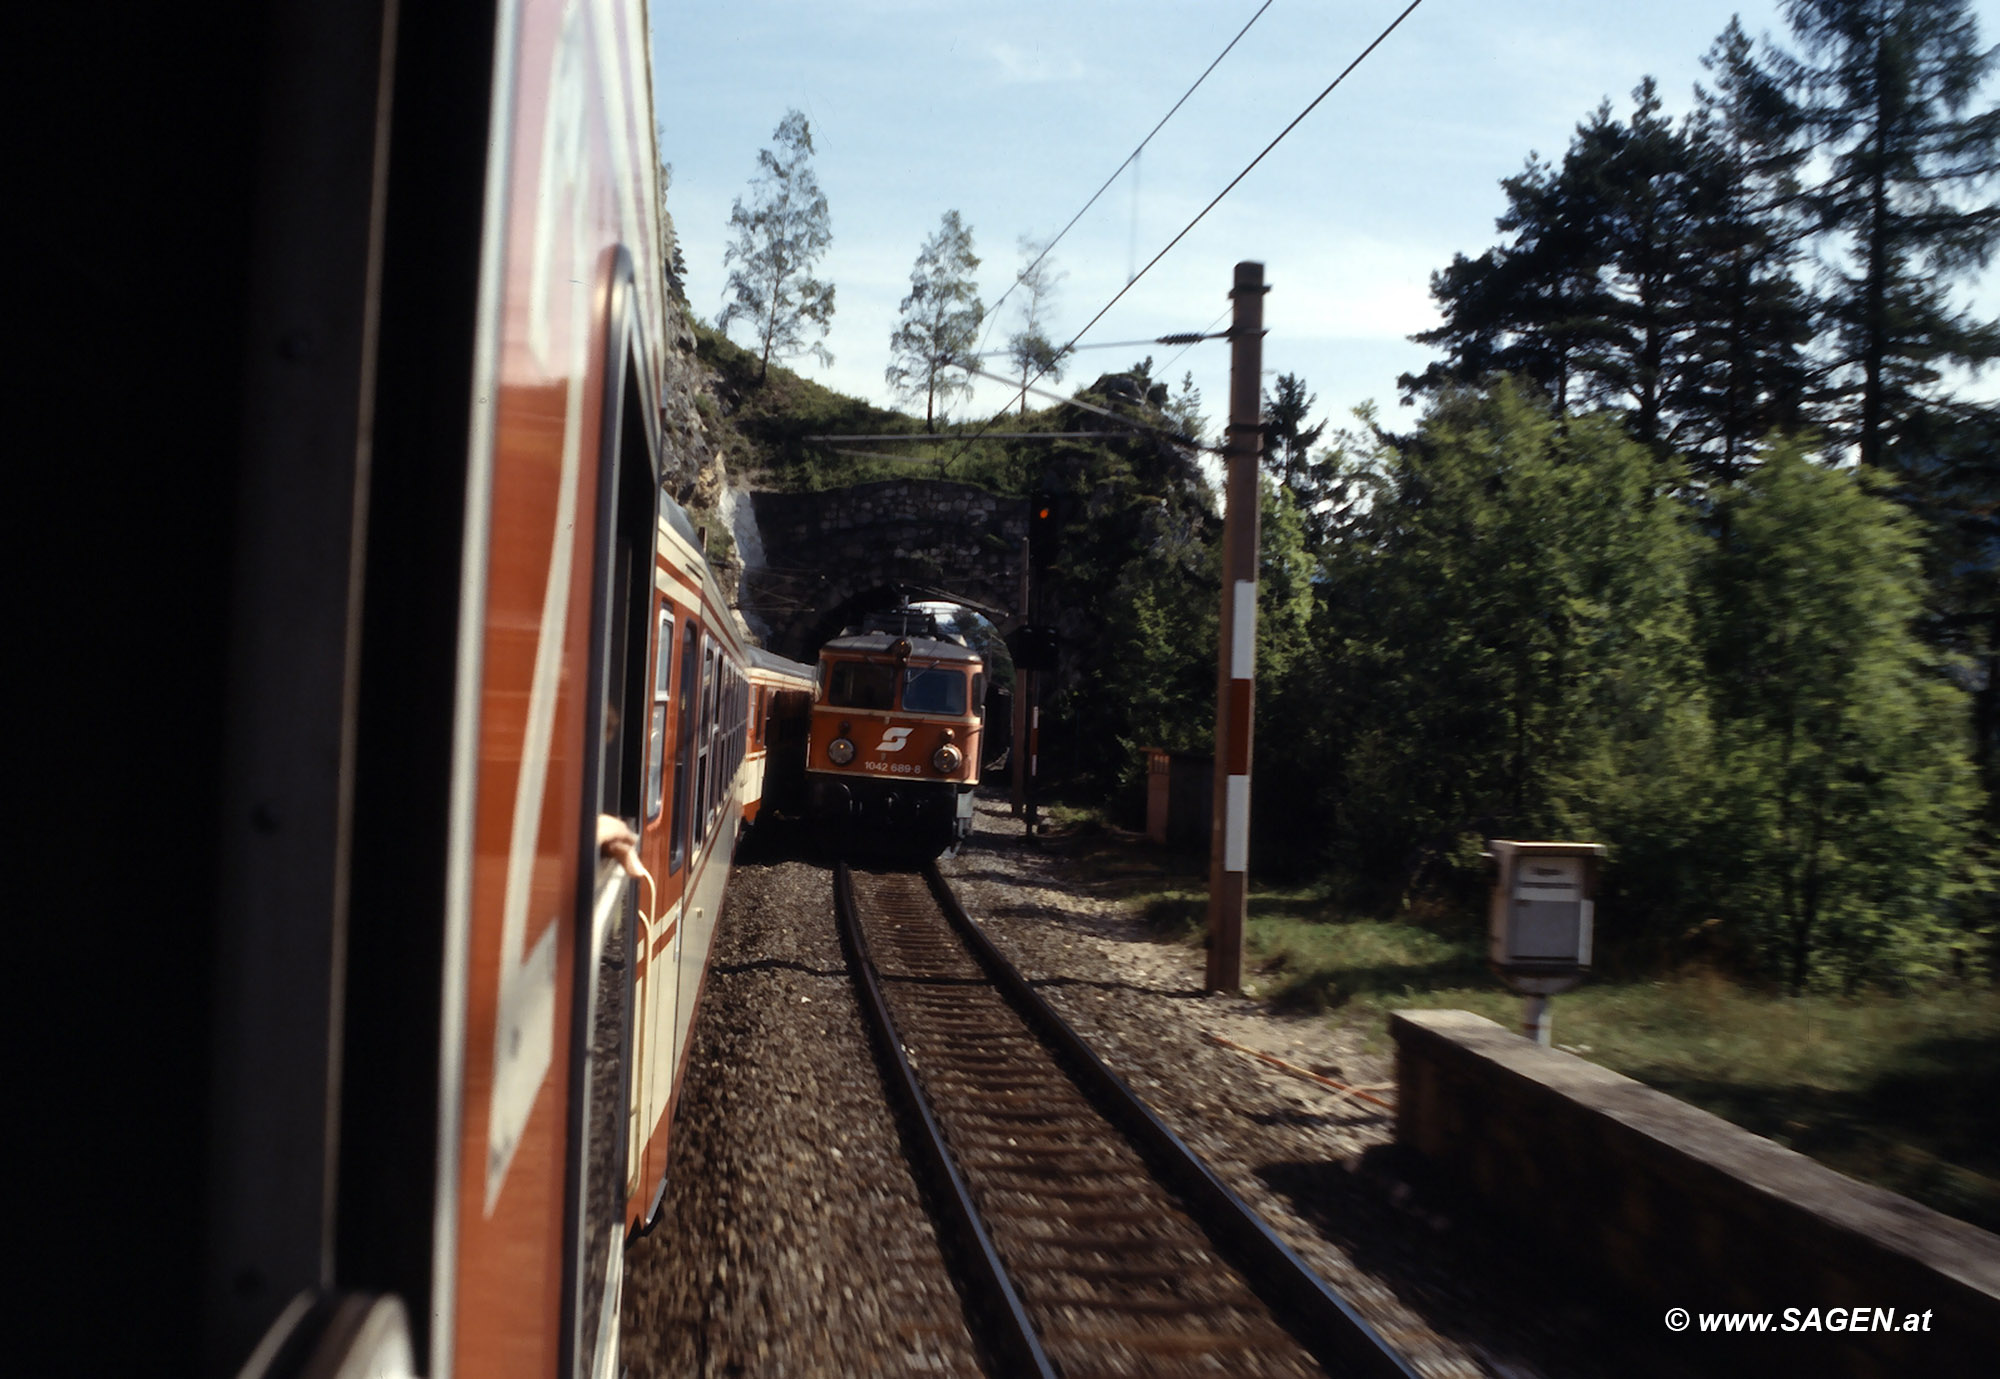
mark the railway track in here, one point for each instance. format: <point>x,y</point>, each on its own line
<point>1093,1242</point>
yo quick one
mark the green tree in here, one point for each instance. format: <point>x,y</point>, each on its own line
<point>1030,349</point>
<point>1288,441</point>
<point>1747,372</point>
<point>1890,88</point>
<point>1183,409</point>
<point>940,321</point>
<point>1503,619</point>
<point>1649,271</point>
<point>1529,307</point>
<point>780,236</point>
<point>1848,798</point>
<point>1947,476</point>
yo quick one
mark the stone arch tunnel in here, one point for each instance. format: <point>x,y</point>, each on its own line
<point>833,555</point>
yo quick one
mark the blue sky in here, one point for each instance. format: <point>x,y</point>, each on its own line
<point>1014,114</point>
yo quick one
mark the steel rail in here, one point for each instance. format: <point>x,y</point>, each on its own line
<point>1329,1327</point>
<point>1008,1330</point>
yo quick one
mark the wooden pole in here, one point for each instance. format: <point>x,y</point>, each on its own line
<point>1235,698</point>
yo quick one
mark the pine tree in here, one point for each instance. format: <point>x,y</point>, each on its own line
<point>1527,308</point>
<point>1890,89</point>
<point>1649,272</point>
<point>1747,373</point>
<point>780,236</point>
<point>940,321</point>
<point>1288,441</point>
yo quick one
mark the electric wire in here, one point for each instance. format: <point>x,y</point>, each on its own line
<point>1312,105</point>
<point>1182,337</point>
<point>1394,24</point>
<point>992,311</point>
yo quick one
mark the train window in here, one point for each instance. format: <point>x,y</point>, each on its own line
<point>934,689</point>
<point>979,693</point>
<point>703,742</point>
<point>861,685</point>
<point>684,745</point>
<point>656,733</point>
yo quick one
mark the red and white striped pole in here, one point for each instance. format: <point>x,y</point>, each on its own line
<point>1229,837</point>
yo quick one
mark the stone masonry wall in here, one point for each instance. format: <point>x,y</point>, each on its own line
<point>918,533</point>
<point>1676,1208</point>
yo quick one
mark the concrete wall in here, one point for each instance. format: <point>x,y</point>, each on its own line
<point>1673,1207</point>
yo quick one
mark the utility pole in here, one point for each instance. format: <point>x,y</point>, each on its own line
<point>1023,691</point>
<point>1235,692</point>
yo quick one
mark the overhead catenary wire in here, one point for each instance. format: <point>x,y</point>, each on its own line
<point>1200,215</point>
<point>1312,105</point>
<point>1183,337</point>
<point>1138,427</point>
<point>992,311</point>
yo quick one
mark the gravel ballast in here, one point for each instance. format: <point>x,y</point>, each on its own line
<point>1319,1166</point>
<point>795,1241</point>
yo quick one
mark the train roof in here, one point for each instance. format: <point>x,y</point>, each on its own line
<point>881,644</point>
<point>776,664</point>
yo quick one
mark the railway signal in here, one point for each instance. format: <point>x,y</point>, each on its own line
<point>1044,530</point>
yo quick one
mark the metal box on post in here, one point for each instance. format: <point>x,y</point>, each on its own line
<point>1541,919</point>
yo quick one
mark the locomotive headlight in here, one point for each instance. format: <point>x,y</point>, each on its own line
<point>946,759</point>
<point>840,751</point>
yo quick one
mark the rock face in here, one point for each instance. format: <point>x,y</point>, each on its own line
<point>836,554</point>
<point>691,462</point>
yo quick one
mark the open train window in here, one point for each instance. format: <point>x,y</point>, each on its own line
<point>656,730</point>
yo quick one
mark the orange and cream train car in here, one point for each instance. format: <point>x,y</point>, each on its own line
<point>716,707</point>
<point>410,1046</point>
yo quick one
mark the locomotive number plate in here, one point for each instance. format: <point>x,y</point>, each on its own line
<point>894,768</point>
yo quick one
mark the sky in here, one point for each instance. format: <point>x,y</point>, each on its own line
<point>1013,115</point>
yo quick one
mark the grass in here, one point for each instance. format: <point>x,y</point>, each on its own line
<point>763,424</point>
<point>1902,1090</point>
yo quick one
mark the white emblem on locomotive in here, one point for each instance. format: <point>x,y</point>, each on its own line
<point>893,740</point>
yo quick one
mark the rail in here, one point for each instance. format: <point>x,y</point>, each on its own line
<point>1097,1238</point>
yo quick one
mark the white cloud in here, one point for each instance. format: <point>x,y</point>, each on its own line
<point>1020,66</point>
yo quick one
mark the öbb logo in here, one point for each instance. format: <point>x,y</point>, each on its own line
<point>893,740</point>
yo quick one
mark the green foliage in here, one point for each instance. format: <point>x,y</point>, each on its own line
<point>780,235</point>
<point>1650,271</point>
<point>1030,350</point>
<point>1505,623</point>
<point>1845,779</point>
<point>1888,90</point>
<point>940,321</point>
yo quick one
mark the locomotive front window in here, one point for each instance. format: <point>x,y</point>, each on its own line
<point>934,689</point>
<point>861,685</point>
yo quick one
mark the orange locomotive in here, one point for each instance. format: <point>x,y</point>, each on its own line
<point>896,726</point>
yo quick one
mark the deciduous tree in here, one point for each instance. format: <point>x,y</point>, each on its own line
<point>1030,349</point>
<point>1842,771</point>
<point>780,236</point>
<point>940,321</point>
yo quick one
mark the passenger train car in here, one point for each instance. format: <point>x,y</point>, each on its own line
<point>384,1068</point>
<point>897,723</point>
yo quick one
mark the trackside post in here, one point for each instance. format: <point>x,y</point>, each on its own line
<point>1235,698</point>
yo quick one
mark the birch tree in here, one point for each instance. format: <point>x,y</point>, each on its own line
<point>780,236</point>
